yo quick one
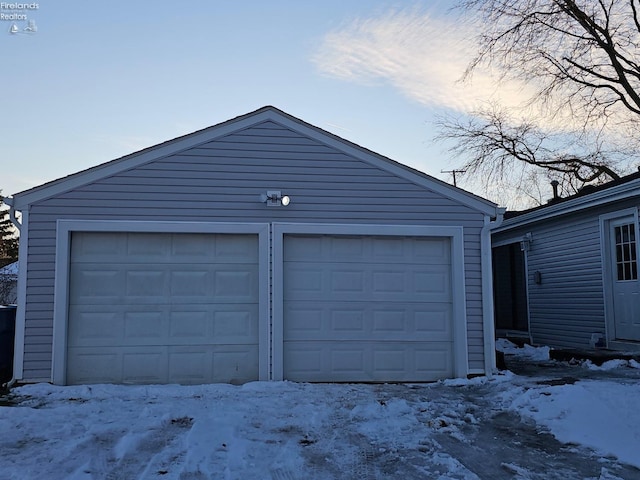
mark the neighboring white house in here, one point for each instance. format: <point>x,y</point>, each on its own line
<point>9,284</point>
<point>260,248</point>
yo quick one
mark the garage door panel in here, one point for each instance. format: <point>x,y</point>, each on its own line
<point>227,283</point>
<point>166,248</point>
<point>94,365</point>
<point>303,281</point>
<point>357,249</point>
<point>192,283</point>
<point>414,320</point>
<point>392,362</point>
<point>148,247</point>
<point>235,326</point>
<point>227,249</point>
<point>237,284</point>
<point>430,251</point>
<point>145,364</point>
<point>111,283</point>
<point>335,281</point>
<point>347,282</point>
<point>368,320</point>
<point>389,282</point>
<point>163,325</point>
<point>149,285</point>
<point>104,285</point>
<point>436,282</point>
<point>236,248</point>
<point>97,246</point>
<point>163,364</point>
<point>433,359</point>
<point>217,327</point>
<point>184,326</point>
<point>367,361</point>
<point>347,360</point>
<point>435,322</point>
<point>101,326</point>
<point>125,365</point>
<point>190,366</point>
<point>227,363</point>
<point>217,324</point>
<point>94,327</point>
<point>158,308</point>
<point>304,361</point>
<point>235,364</point>
<point>145,328</point>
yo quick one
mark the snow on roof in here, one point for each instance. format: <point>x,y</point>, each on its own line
<point>11,269</point>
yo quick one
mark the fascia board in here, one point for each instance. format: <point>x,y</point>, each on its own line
<point>613,194</point>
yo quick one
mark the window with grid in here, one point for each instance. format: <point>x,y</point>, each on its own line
<point>626,263</point>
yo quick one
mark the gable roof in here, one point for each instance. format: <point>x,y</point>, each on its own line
<point>22,199</point>
<point>588,197</point>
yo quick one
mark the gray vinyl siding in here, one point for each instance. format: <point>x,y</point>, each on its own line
<point>221,181</point>
<point>568,306</point>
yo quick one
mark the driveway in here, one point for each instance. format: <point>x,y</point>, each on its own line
<point>501,428</point>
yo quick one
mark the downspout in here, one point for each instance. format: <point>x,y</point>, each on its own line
<point>18,225</point>
<point>12,213</point>
<point>488,322</point>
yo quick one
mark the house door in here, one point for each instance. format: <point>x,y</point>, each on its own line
<point>625,286</point>
<point>510,289</point>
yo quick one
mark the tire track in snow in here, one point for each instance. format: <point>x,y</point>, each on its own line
<point>116,455</point>
<point>391,454</point>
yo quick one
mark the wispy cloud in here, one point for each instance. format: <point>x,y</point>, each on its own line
<point>421,54</point>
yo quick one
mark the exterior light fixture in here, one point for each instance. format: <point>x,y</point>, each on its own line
<point>525,243</point>
<point>274,198</point>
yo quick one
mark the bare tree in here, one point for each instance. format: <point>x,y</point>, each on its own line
<point>583,57</point>
<point>499,150</point>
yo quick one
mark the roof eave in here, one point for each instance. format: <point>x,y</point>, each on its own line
<point>610,195</point>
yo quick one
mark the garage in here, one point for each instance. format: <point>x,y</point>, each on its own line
<point>163,308</point>
<point>260,248</point>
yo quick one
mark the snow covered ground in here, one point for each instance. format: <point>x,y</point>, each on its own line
<point>579,422</point>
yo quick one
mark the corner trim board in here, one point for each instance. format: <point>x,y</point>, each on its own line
<point>23,253</point>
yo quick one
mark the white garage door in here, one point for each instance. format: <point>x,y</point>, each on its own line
<point>162,308</point>
<point>367,308</point>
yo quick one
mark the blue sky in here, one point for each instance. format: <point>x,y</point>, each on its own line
<point>99,80</point>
